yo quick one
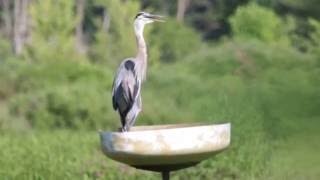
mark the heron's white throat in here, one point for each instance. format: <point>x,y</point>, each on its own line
<point>139,27</point>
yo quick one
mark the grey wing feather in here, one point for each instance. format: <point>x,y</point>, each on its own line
<point>125,86</point>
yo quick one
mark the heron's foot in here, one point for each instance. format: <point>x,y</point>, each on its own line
<point>125,129</point>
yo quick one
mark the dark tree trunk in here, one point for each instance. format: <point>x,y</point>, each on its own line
<point>80,38</point>
<point>7,18</point>
<point>20,26</point>
<point>181,9</point>
<point>106,21</point>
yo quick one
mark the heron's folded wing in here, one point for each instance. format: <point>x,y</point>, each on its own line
<point>125,85</point>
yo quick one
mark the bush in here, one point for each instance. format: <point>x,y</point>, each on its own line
<point>315,36</point>
<point>52,34</point>
<point>59,95</point>
<point>175,40</point>
<point>118,42</point>
<point>80,106</point>
<point>5,49</point>
<point>256,22</point>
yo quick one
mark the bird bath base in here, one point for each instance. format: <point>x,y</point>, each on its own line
<point>165,169</point>
<point>165,148</point>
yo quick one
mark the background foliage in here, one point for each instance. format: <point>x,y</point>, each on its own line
<point>255,64</point>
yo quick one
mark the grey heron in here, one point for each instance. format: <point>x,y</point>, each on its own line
<point>126,88</point>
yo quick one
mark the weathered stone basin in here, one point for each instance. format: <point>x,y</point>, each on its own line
<point>166,147</point>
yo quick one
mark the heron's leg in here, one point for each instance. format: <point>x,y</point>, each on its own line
<point>136,112</point>
<point>127,127</point>
<point>130,123</point>
<point>132,116</point>
<point>133,120</point>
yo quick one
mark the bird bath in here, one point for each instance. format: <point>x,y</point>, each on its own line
<point>165,148</point>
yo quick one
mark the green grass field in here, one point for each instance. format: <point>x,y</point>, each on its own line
<point>65,154</point>
<point>296,157</point>
<point>58,155</point>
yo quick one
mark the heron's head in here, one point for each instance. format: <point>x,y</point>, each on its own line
<point>143,18</point>
<point>146,18</point>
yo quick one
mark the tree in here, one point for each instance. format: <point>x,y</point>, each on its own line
<point>115,38</point>
<point>15,22</point>
<point>80,44</point>
<point>20,31</point>
<point>256,22</point>
<point>7,17</point>
<point>181,9</point>
<point>301,8</point>
<point>53,26</point>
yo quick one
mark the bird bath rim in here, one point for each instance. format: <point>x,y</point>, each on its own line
<point>162,146</point>
<point>166,126</point>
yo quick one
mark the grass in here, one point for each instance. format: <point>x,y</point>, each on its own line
<point>66,154</point>
<point>296,157</point>
<point>58,154</point>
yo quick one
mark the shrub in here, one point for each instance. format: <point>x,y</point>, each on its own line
<point>256,22</point>
<point>315,36</point>
<point>59,95</point>
<point>118,41</point>
<point>175,40</point>
<point>5,49</point>
<point>81,106</point>
<point>52,34</point>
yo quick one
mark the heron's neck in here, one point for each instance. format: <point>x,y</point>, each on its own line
<point>142,48</point>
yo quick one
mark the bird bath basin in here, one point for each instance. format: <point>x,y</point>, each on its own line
<point>166,148</point>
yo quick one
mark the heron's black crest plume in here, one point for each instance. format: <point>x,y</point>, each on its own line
<point>140,13</point>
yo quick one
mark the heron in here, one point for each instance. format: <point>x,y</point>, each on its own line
<point>126,88</point>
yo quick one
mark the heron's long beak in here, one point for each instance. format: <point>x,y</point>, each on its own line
<point>157,18</point>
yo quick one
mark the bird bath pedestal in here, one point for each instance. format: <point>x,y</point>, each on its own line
<point>165,148</point>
